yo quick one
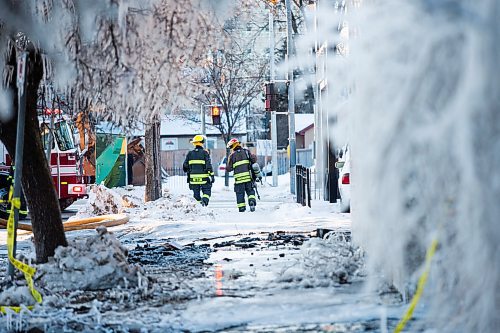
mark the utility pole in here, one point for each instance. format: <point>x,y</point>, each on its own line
<point>274,127</point>
<point>318,125</point>
<point>291,96</point>
<point>18,171</point>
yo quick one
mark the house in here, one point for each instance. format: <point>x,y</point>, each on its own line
<point>176,131</point>
<point>304,130</point>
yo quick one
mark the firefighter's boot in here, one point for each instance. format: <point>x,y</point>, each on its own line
<point>251,202</point>
<point>204,201</point>
<point>242,209</point>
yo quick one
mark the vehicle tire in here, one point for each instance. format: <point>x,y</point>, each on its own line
<point>65,203</point>
<point>344,207</point>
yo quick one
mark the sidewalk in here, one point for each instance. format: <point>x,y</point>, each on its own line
<point>252,271</point>
<point>275,211</point>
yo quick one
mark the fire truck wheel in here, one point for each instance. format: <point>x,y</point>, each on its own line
<point>65,203</point>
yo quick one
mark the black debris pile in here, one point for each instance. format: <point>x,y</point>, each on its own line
<point>273,239</point>
<point>323,233</point>
<point>244,243</point>
<point>280,238</point>
<point>167,253</point>
<point>223,244</point>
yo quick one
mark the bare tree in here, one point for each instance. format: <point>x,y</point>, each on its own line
<point>36,179</point>
<point>127,57</point>
<point>146,67</point>
<point>236,75</point>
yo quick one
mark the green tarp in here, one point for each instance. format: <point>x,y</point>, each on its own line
<point>110,161</point>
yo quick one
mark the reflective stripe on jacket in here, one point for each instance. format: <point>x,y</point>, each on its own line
<point>198,166</point>
<point>240,161</point>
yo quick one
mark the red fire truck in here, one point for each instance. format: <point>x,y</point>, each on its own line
<point>58,141</point>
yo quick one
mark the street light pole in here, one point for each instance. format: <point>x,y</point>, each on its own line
<point>291,96</point>
<point>274,126</point>
<point>203,127</point>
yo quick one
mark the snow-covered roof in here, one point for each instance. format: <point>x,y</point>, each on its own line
<point>178,125</point>
<point>303,121</point>
<point>171,125</point>
<point>110,128</point>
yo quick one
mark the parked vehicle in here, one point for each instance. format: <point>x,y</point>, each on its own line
<point>344,166</point>
<point>65,168</point>
<point>267,170</point>
<point>221,168</point>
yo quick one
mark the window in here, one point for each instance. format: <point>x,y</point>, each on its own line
<point>47,137</point>
<point>62,132</point>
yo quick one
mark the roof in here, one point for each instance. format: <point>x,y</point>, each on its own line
<point>179,125</point>
<point>303,122</point>
<point>171,125</point>
<point>110,128</point>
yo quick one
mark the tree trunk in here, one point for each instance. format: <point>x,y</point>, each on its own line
<point>152,160</point>
<point>37,182</point>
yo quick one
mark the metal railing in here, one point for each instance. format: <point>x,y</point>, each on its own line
<point>169,177</point>
<point>305,157</point>
<point>303,185</point>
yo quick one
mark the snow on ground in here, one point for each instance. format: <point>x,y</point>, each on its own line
<point>213,268</point>
<point>179,217</point>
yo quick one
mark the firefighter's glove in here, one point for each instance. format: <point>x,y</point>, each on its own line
<point>212,179</point>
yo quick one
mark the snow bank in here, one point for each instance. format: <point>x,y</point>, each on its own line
<point>103,200</point>
<point>130,200</point>
<point>91,263</point>
<point>323,262</point>
<point>170,207</point>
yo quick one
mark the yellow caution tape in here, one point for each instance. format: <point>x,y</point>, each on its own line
<point>3,309</point>
<point>25,268</point>
<point>420,287</point>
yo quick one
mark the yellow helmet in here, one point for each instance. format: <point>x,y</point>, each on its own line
<point>232,143</point>
<point>198,140</point>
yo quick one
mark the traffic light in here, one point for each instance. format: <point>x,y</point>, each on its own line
<point>277,96</point>
<point>215,112</point>
<point>270,97</point>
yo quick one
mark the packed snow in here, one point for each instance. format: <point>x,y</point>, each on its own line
<point>332,260</point>
<point>90,263</point>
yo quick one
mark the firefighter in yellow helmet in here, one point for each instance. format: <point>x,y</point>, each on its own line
<point>240,161</point>
<point>199,170</point>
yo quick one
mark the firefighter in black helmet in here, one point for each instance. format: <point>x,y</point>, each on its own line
<point>240,161</point>
<point>199,170</point>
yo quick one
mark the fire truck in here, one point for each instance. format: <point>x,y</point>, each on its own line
<point>64,160</point>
